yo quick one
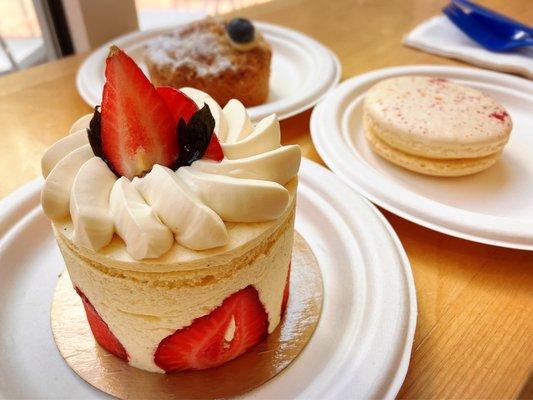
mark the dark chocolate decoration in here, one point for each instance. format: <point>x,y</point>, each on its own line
<point>93,132</point>
<point>194,137</point>
<point>95,137</point>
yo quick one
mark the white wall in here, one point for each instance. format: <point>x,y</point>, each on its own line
<point>95,22</point>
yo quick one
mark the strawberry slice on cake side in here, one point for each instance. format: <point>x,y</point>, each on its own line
<point>227,332</point>
<point>100,329</point>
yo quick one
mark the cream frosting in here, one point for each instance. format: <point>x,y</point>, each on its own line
<point>240,126</point>
<point>238,200</point>
<point>81,123</point>
<point>279,165</point>
<point>136,223</point>
<point>201,98</point>
<point>265,137</point>
<point>61,148</point>
<point>89,204</point>
<point>191,203</point>
<point>252,44</point>
<point>194,224</point>
<point>55,196</point>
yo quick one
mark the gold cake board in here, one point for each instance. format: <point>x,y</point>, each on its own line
<point>247,372</point>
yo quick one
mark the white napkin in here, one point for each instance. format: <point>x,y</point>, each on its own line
<point>438,35</point>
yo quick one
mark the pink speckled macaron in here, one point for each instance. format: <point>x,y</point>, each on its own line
<point>433,126</point>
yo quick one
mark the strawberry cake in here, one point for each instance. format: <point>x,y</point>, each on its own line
<point>175,219</point>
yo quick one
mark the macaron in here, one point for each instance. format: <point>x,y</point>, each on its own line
<point>434,126</point>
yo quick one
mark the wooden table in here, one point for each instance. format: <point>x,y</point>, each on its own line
<point>474,336</point>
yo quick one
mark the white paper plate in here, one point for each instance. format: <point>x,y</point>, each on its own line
<point>302,69</point>
<point>493,207</point>
<point>361,346</point>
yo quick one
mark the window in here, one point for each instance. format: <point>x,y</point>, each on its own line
<point>21,39</point>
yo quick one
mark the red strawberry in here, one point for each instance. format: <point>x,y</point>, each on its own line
<point>101,331</point>
<point>137,128</point>
<point>180,105</point>
<point>214,150</point>
<point>203,345</point>
<point>286,292</point>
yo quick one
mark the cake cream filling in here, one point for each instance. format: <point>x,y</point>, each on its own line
<point>424,165</point>
<point>125,300</point>
<point>246,186</point>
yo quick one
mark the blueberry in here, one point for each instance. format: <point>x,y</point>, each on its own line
<point>240,30</point>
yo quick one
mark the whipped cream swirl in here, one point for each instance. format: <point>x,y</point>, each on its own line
<point>187,206</point>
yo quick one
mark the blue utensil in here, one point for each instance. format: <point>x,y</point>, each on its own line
<point>502,35</point>
<point>493,17</point>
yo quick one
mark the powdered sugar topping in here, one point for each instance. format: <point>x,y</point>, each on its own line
<point>202,49</point>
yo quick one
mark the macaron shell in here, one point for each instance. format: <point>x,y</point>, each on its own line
<point>435,118</point>
<point>429,166</point>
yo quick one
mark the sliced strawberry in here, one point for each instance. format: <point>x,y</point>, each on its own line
<point>227,332</point>
<point>101,331</point>
<point>180,105</point>
<point>137,128</point>
<point>214,150</point>
<point>286,292</point>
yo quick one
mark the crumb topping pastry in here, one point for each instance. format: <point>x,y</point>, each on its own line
<point>227,59</point>
<point>205,48</point>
